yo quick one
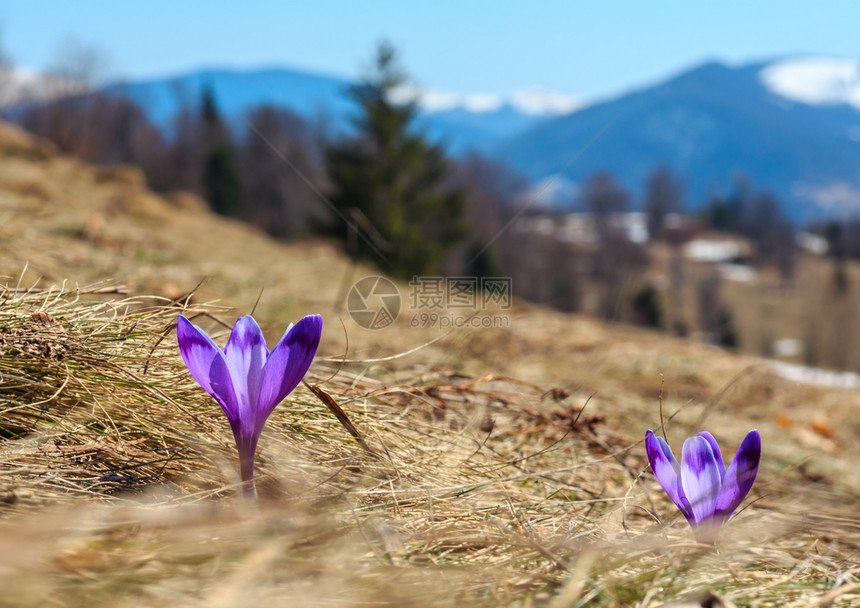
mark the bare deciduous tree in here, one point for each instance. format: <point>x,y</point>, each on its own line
<point>663,196</point>
<point>492,191</point>
<point>77,67</point>
<point>8,93</point>
<point>280,170</point>
<point>715,319</point>
<point>616,256</point>
<point>604,198</point>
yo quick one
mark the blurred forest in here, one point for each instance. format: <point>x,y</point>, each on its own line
<point>394,198</point>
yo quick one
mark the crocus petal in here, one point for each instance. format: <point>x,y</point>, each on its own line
<point>288,363</point>
<point>667,470</point>
<point>716,449</point>
<point>741,474</point>
<point>207,365</point>
<point>246,355</point>
<point>700,478</point>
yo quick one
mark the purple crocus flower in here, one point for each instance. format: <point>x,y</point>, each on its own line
<point>245,378</point>
<point>706,492</point>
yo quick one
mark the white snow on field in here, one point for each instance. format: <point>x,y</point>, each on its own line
<point>702,250</point>
<point>737,272</point>
<point>814,376</point>
<point>724,255</point>
<point>786,347</point>
<point>815,80</point>
<point>812,243</point>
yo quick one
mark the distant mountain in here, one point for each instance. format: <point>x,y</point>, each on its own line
<point>458,122</point>
<point>460,129</point>
<point>791,126</point>
<point>236,92</point>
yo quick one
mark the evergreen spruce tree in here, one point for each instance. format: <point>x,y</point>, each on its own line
<point>389,182</point>
<point>221,186</point>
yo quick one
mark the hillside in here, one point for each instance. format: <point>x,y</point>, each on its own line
<point>508,469</point>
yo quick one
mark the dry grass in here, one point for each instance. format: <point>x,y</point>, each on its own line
<point>486,490</point>
<point>509,468</point>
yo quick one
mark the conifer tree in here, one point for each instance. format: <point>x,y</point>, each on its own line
<point>221,185</point>
<point>389,182</point>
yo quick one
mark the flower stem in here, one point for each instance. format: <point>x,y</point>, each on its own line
<point>246,470</point>
<point>707,531</point>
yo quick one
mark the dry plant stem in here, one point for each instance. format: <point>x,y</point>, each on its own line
<point>341,416</point>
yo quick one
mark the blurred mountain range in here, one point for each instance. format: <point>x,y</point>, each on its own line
<point>791,126</point>
<point>459,122</point>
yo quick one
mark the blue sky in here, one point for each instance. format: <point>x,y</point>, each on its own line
<point>585,49</point>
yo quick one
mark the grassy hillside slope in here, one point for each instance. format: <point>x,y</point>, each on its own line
<point>507,464</point>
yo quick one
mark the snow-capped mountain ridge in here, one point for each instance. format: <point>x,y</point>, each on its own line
<point>791,126</point>
<point>815,80</point>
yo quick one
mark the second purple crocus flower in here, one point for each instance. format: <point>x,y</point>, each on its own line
<point>701,486</point>
<point>245,378</point>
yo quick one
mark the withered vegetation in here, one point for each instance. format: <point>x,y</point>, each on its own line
<point>119,487</point>
<point>502,467</point>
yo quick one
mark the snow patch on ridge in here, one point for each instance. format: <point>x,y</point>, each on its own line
<point>533,101</point>
<point>815,80</point>
<point>545,102</point>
